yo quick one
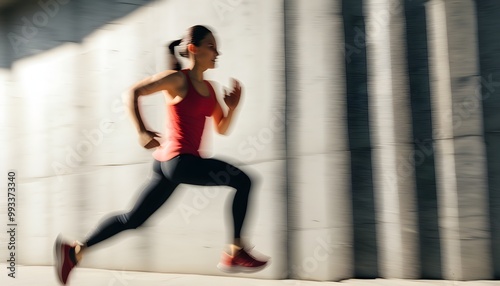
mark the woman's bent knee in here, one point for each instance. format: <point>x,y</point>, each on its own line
<point>242,181</point>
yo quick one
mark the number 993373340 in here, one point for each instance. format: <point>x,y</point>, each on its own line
<point>11,196</point>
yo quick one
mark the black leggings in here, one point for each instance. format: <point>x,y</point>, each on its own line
<point>187,169</point>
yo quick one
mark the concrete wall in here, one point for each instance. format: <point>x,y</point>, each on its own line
<point>369,128</point>
<point>77,155</point>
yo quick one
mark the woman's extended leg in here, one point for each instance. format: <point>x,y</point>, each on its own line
<point>154,195</point>
<point>157,191</point>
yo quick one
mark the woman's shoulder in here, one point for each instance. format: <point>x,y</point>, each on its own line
<point>174,77</point>
<point>175,74</point>
<point>171,80</point>
<point>169,75</point>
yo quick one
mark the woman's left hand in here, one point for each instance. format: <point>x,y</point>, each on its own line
<point>233,97</point>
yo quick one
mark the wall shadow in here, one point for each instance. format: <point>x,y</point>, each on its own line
<point>488,22</point>
<point>33,26</point>
<point>424,163</point>
<point>363,202</point>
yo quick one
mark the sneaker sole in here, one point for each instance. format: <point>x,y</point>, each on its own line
<point>239,269</point>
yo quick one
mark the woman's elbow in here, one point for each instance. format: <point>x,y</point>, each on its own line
<point>130,95</point>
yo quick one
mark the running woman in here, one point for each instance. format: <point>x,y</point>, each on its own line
<point>190,100</point>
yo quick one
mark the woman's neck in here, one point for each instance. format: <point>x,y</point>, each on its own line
<point>196,73</point>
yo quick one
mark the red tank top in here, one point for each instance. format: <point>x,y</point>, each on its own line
<point>187,121</point>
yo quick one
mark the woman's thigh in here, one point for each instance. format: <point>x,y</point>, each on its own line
<point>190,169</point>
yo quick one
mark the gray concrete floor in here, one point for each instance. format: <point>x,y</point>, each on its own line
<point>45,275</point>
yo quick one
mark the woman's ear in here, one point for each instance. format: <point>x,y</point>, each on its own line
<point>192,48</point>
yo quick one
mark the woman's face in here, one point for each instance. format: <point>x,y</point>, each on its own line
<point>206,53</point>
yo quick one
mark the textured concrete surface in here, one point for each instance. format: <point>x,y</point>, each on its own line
<point>370,128</point>
<point>76,153</point>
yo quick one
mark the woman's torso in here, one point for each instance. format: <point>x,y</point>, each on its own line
<point>186,120</point>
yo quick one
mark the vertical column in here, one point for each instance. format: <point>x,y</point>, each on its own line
<point>363,204</point>
<point>424,160</point>
<point>460,146</point>
<point>489,25</point>
<point>320,176</point>
<point>393,151</point>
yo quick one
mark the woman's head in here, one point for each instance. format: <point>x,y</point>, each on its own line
<point>199,45</point>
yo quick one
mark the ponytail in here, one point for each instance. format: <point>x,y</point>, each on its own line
<point>173,45</point>
<point>174,64</point>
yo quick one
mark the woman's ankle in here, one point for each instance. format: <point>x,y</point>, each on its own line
<point>79,249</point>
<point>234,249</point>
<point>236,246</point>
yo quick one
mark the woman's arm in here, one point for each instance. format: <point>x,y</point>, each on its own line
<point>222,122</point>
<point>171,81</point>
<point>231,99</point>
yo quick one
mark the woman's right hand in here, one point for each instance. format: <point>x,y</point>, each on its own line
<point>147,139</point>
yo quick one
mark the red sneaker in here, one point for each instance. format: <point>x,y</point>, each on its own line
<point>65,259</point>
<point>241,262</point>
